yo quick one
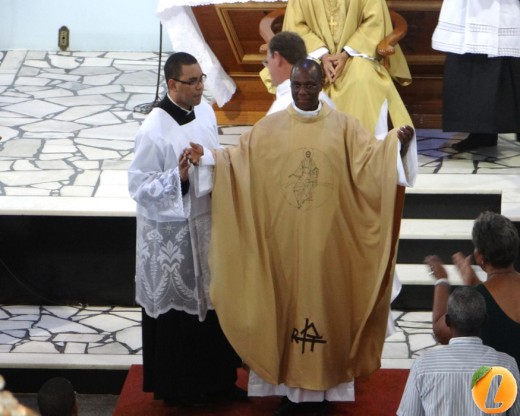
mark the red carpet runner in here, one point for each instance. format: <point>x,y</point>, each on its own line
<point>377,395</point>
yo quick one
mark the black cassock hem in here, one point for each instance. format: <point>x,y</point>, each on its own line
<point>185,359</point>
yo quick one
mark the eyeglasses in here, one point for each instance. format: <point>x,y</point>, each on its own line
<point>192,81</point>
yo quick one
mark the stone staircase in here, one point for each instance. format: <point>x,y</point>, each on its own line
<point>86,260</point>
<point>90,259</point>
<point>437,223</point>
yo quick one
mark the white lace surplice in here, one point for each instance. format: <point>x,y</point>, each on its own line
<point>173,232</point>
<point>166,265</point>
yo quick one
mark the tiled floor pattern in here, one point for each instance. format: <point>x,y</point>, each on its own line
<point>67,127</point>
<point>76,337</point>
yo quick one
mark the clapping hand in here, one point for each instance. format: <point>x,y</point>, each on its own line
<point>464,266</point>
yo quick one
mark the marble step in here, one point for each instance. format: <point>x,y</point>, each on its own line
<point>435,229</point>
<point>442,204</point>
<point>463,182</point>
<point>421,237</point>
<point>69,261</point>
<point>418,286</point>
<point>417,274</point>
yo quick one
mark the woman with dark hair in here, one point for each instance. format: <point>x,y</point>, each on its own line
<point>496,243</point>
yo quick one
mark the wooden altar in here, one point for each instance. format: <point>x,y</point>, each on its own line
<point>231,31</point>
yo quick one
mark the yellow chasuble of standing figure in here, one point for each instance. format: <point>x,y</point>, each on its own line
<point>302,253</point>
<point>364,83</point>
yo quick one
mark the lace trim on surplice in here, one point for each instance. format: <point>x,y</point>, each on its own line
<point>169,273</point>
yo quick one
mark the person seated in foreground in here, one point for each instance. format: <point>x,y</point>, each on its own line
<point>440,380</point>
<point>496,244</point>
<point>57,398</point>
<point>284,50</point>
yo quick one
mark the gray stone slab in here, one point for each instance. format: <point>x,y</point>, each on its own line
<point>100,119</point>
<point>26,178</point>
<point>53,125</point>
<point>124,131</point>
<point>36,347</point>
<point>81,100</point>
<point>92,153</point>
<point>31,81</point>
<point>107,144</point>
<point>114,348</point>
<point>77,112</point>
<point>12,61</point>
<point>65,62</point>
<point>115,323</point>
<point>24,148</point>
<point>35,108</point>
<point>59,326</point>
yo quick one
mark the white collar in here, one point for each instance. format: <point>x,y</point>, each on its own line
<point>465,340</point>
<point>312,113</point>
<point>182,108</point>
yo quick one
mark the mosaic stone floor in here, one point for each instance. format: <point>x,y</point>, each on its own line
<point>72,330</point>
<point>110,337</point>
<point>67,127</point>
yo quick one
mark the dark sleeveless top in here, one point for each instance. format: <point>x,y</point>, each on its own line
<point>500,331</point>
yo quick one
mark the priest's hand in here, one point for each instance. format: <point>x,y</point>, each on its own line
<point>333,65</point>
<point>327,63</point>
<point>339,60</point>
<point>405,136</point>
<point>195,152</point>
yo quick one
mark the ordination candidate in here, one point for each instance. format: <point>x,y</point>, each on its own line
<point>187,360</point>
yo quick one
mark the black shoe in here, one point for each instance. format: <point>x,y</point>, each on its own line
<point>476,140</point>
<point>236,394</point>
<point>287,407</point>
<point>198,401</point>
<point>315,408</point>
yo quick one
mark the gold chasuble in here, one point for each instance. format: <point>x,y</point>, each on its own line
<point>364,83</point>
<point>302,252</point>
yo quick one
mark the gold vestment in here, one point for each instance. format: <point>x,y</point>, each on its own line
<point>302,252</point>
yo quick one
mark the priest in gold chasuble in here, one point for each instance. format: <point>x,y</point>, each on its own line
<point>344,35</point>
<point>303,241</point>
